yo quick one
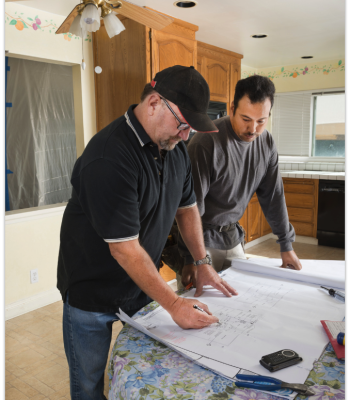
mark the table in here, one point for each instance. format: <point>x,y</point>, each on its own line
<point>141,368</point>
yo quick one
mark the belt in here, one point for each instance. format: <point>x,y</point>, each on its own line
<point>220,228</point>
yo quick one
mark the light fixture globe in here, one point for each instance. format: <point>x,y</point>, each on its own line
<point>90,18</point>
<point>113,25</point>
<point>75,28</point>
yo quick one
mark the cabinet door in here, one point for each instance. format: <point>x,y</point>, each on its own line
<point>123,60</point>
<point>254,219</point>
<point>235,77</point>
<point>169,50</point>
<point>244,223</point>
<point>217,74</point>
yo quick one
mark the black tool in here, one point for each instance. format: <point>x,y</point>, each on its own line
<point>268,383</point>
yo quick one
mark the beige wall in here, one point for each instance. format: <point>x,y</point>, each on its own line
<point>32,241</point>
<point>290,78</point>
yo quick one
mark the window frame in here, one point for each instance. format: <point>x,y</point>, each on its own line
<point>313,119</point>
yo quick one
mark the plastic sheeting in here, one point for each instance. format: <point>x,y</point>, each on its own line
<point>41,143</point>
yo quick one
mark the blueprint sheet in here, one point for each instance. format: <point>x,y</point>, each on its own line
<point>269,314</point>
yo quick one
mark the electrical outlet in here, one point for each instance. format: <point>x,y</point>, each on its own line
<point>34,276</point>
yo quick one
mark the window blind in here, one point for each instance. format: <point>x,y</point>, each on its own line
<point>291,126</point>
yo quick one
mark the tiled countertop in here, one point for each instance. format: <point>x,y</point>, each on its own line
<point>339,176</point>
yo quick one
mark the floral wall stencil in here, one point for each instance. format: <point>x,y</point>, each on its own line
<point>294,72</point>
<point>21,22</point>
<point>308,76</point>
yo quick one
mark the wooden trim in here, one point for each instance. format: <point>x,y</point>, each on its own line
<point>316,207</point>
<point>235,76</point>
<point>179,27</point>
<point>148,55</point>
<point>210,49</point>
<point>180,22</point>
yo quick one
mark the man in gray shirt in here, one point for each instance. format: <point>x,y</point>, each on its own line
<point>228,167</point>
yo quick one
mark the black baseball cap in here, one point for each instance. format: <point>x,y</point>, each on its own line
<point>186,87</point>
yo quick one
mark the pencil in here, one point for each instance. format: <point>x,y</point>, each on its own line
<point>189,286</point>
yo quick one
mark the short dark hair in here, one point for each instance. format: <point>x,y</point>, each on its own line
<point>147,90</point>
<point>256,87</point>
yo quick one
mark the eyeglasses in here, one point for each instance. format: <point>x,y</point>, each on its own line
<point>182,125</point>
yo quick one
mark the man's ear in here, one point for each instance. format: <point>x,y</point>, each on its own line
<point>152,103</point>
<point>232,109</point>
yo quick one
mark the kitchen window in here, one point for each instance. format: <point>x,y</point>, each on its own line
<point>309,124</point>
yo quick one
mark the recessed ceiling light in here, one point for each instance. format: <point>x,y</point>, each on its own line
<point>259,36</point>
<point>185,4</point>
<point>307,57</point>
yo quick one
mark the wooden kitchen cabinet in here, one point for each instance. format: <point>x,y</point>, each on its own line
<point>130,60</point>
<point>169,50</point>
<point>302,205</point>
<point>221,69</point>
<point>254,219</point>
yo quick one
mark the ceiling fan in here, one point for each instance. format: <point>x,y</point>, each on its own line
<point>85,17</point>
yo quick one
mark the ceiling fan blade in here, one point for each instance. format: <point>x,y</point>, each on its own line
<point>64,28</point>
<point>139,14</point>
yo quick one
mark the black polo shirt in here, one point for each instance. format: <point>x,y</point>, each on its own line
<point>123,189</point>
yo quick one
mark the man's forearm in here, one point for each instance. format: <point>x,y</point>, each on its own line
<point>190,226</point>
<point>141,269</point>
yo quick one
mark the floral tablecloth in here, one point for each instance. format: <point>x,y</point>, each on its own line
<point>140,368</point>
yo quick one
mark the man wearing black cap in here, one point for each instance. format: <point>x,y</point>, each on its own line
<point>132,180</point>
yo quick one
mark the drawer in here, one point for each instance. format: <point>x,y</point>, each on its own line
<point>303,229</point>
<point>301,214</point>
<point>298,188</point>
<point>300,200</point>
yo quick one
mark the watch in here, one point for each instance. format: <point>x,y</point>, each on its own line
<point>206,260</point>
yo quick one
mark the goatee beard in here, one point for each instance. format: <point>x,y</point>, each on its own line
<point>166,145</point>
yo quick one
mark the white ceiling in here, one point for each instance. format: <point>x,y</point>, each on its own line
<point>295,28</point>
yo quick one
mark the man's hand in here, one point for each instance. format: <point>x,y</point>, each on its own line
<point>290,260</point>
<point>189,274</point>
<point>187,317</point>
<point>206,275</point>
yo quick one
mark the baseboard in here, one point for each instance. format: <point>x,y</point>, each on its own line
<point>259,240</point>
<point>32,303</point>
<point>298,239</point>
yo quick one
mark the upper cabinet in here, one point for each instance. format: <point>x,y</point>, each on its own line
<point>169,50</point>
<point>221,69</point>
<point>132,58</point>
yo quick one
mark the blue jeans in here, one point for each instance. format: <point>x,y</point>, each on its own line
<point>87,338</point>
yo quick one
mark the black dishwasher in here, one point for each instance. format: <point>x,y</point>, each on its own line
<point>331,213</point>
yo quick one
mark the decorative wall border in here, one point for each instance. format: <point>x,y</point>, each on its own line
<point>22,22</point>
<point>297,70</point>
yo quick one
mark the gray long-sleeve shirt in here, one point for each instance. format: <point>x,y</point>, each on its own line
<point>227,171</point>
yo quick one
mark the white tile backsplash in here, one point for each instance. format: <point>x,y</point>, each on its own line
<point>339,167</point>
<point>312,166</point>
<point>331,167</point>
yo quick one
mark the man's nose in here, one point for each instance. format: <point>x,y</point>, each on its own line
<point>252,126</point>
<point>185,134</point>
